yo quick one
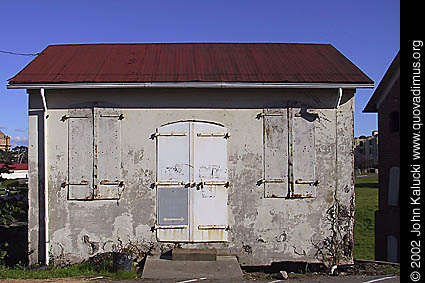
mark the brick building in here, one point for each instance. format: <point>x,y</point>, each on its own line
<point>4,142</point>
<point>386,101</point>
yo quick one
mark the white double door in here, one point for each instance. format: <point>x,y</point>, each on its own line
<point>192,182</point>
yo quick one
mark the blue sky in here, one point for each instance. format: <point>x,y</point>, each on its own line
<point>367,32</point>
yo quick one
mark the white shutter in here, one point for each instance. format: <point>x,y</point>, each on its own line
<point>107,153</point>
<point>80,154</point>
<point>275,135</point>
<point>303,154</point>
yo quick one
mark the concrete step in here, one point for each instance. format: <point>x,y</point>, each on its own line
<point>194,254</point>
<point>225,268</point>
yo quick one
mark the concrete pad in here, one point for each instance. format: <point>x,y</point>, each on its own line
<point>224,268</point>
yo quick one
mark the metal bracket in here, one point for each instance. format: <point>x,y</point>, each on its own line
<point>213,227</point>
<point>261,115</point>
<point>120,117</point>
<point>172,134</point>
<point>263,181</point>
<point>169,227</point>
<point>66,117</point>
<point>213,183</point>
<point>171,183</point>
<point>210,135</point>
<point>112,183</point>
<point>64,184</point>
<point>300,181</point>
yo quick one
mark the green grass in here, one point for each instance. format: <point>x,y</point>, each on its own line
<point>65,272</point>
<point>100,265</point>
<point>364,226</point>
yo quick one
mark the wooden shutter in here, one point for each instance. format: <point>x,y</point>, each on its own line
<point>303,153</point>
<point>80,154</point>
<point>107,153</point>
<point>275,135</point>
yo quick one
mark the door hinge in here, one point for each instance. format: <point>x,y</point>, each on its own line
<point>170,227</point>
<point>172,134</point>
<point>214,227</point>
<point>169,183</point>
<point>213,183</point>
<point>213,135</point>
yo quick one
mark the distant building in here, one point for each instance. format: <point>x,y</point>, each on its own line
<point>386,101</point>
<point>16,171</point>
<point>366,147</point>
<point>4,142</point>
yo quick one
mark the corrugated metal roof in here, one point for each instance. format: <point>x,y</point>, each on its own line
<point>16,166</point>
<point>191,62</point>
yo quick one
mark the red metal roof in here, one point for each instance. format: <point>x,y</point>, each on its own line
<point>191,62</point>
<point>16,166</point>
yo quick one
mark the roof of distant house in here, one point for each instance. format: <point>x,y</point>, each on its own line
<point>392,75</point>
<point>191,62</point>
<point>16,166</point>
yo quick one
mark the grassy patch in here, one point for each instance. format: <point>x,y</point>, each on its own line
<point>364,226</point>
<point>100,265</point>
<point>69,271</point>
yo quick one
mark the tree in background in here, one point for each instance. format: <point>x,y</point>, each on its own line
<point>363,162</point>
<point>20,154</point>
<point>5,161</point>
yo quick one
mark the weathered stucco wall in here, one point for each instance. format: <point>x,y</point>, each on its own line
<point>262,230</point>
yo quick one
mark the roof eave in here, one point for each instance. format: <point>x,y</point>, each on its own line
<point>188,85</point>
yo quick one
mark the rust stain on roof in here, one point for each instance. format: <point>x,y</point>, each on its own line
<point>191,62</point>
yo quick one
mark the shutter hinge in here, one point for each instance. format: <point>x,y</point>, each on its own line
<point>263,181</point>
<point>261,115</point>
<point>300,181</point>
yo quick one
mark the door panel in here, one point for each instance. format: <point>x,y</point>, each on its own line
<point>209,198</point>
<point>173,175</point>
<point>173,203</point>
<point>192,182</point>
<point>173,152</point>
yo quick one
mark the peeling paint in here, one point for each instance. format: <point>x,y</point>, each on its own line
<point>262,229</point>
